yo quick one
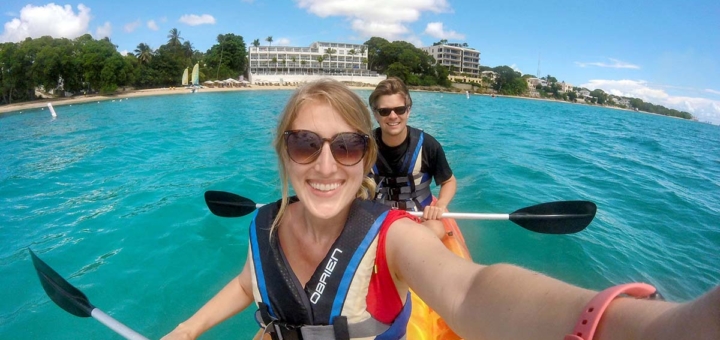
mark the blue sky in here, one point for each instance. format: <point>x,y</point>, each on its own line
<point>664,52</point>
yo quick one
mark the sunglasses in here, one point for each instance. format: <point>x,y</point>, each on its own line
<point>304,147</point>
<point>385,111</point>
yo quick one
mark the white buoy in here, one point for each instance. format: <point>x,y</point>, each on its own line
<point>52,110</point>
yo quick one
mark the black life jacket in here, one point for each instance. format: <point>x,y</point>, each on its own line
<point>408,189</point>
<point>333,303</point>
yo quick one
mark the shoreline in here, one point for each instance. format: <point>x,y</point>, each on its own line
<point>42,103</point>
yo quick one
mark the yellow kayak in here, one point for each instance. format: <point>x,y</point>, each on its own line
<point>424,323</point>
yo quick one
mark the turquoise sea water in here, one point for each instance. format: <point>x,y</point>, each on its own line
<point>110,195</point>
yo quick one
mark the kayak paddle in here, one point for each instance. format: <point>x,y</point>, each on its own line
<point>73,301</point>
<point>560,217</point>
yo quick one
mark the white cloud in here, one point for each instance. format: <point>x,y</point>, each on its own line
<point>615,64</point>
<point>517,69</point>
<point>51,19</point>
<point>282,42</point>
<point>124,52</point>
<point>413,39</point>
<point>163,19</point>
<point>195,20</point>
<point>436,30</point>
<point>130,27</point>
<point>152,25</point>
<point>390,31</point>
<point>712,91</point>
<point>382,18</point>
<point>103,31</point>
<point>704,109</point>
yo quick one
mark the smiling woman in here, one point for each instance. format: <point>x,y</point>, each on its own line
<point>330,264</point>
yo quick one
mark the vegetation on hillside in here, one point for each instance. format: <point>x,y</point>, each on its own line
<point>405,61</point>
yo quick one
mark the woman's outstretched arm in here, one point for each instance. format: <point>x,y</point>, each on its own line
<point>232,299</point>
<point>509,302</point>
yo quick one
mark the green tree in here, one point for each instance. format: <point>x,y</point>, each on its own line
<point>269,40</point>
<point>174,39</point>
<point>144,53</point>
<point>14,85</point>
<point>572,96</point>
<point>405,61</point>
<point>600,95</point>
<point>256,43</point>
<point>320,60</point>
<point>228,58</point>
<point>509,81</point>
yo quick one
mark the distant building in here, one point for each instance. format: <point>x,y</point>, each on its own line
<point>492,75</point>
<point>584,93</point>
<point>621,101</point>
<point>304,60</point>
<point>564,87</point>
<point>458,58</point>
<point>533,82</point>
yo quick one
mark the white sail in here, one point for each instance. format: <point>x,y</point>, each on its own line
<point>185,77</point>
<point>196,75</point>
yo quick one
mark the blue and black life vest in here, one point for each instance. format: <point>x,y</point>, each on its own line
<point>332,305</point>
<point>407,189</point>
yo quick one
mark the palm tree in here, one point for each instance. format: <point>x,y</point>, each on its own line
<point>352,52</point>
<point>294,61</point>
<point>363,60</point>
<point>174,37</point>
<point>320,60</point>
<point>302,65</point>
<point>144,53</point>
<point>269,40</point>
<point>330,53</point>
<point>188,49</point>
<point>275,61</point>
<point>256,43</point>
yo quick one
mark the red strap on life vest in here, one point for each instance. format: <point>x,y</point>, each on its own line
<point>383,300</point>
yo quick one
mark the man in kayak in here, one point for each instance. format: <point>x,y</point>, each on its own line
<point>408,158</point>
<point>332,264</point>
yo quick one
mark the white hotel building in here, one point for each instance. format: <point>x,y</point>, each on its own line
<point>457,58</point>
<point>301,63</point>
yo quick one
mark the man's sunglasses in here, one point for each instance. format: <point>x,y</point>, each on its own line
<point>385,111</point>
<point>304,147</point>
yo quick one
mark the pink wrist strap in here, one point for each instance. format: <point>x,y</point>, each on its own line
<point>590,317</point>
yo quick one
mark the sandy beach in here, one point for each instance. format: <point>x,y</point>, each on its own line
<point>41,103</point>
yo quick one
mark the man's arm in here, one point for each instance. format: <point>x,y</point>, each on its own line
<point>446,194</point>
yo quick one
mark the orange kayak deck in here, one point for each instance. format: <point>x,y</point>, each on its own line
<point>424,323</point>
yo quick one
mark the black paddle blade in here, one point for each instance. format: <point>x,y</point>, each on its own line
<point>225,204</point>
<point>562,217</point>
<point>69,298</point>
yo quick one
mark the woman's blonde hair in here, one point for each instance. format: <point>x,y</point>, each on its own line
<point>351,109</point>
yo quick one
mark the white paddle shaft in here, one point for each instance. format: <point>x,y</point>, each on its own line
<point>115,325</point>
<point>468,216</point>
